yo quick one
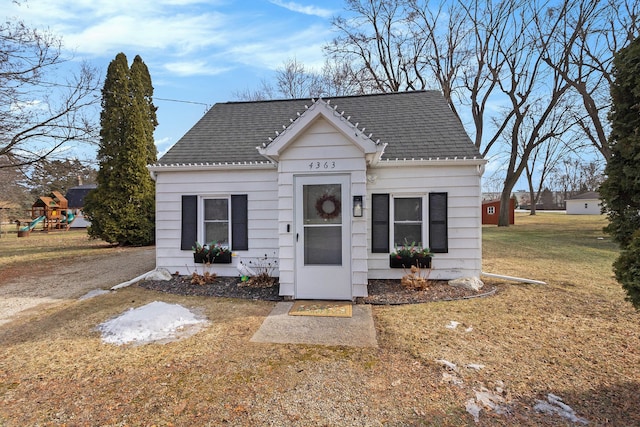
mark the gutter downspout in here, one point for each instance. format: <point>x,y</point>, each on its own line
<point>513,279</point>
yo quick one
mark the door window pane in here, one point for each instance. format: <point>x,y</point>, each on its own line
<point>322,204</point>
<point>323,245</point>
<point>407,223</point>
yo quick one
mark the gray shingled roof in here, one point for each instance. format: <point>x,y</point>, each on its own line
<point>75,195</point>
<point>413,124</point>
<point>588,195</point>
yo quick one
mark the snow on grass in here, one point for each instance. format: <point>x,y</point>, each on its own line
<point>154,322</point>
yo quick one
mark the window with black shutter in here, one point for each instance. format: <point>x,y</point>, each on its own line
<point>218,222</point>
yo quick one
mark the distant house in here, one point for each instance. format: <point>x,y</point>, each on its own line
<point>329,186</point>
<point>75,198</point>
<point>491,211</point>
<point>584,204</point>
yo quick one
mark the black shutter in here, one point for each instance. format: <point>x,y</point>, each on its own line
<point>189,222</point>
<point>239,223</point>
<point>380,223</point>
<point>438,233</point>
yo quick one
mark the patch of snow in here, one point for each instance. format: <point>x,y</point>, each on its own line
<point>475,366</point>
<point>452,324</point>
<point>473,409</point>
<point>448,364</point>
<point>93,293</point>
<point>492,401</point>
<point>469,329</point>
<point>156,321</point>
<point>452,378</point>
<point>555,405</point>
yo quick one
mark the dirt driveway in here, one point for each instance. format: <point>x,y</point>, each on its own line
<point>26,288</point>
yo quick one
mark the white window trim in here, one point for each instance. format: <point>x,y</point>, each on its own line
<point>201,220</point>
<point>392,218</point>
<point>491,210</point>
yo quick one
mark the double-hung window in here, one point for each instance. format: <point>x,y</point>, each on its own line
<point>407,220</point>
<point>216,221</point>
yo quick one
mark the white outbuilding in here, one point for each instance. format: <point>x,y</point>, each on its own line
<point>584,204</point>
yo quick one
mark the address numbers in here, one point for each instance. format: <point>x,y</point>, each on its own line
<point>325,164</point>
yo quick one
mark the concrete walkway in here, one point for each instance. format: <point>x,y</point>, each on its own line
<point>356,331</point>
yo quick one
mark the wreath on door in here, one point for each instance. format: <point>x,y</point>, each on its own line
<point>328,206</point>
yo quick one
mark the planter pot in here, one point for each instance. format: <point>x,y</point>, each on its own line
<point>223,258</point>
<point>199,258</point>
<point>407,262</point>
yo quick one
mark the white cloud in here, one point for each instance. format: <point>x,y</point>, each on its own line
<point>194,68</point>
<point>304,45</point>
<point>180,34</point>
<point>105,27</point>
<point>307,10</point>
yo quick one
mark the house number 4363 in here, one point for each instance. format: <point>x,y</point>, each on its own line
<point>329,164</point>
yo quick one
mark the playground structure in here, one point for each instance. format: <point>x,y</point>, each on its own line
<point>51,211</point>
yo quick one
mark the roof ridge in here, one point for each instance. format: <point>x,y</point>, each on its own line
<point>307,98</point>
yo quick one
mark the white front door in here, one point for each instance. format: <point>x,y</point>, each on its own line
<point>323,237</point>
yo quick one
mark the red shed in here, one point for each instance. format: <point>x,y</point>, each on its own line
<point>491,211</point>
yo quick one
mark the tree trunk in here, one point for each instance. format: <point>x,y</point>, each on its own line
<point>505,199</point>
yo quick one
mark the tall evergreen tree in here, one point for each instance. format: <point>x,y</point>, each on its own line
<point>122,208</point>
<point>621,189</point>
<point>143,94</point>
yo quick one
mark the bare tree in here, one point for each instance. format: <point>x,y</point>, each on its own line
<point>339,79</point>
<point>582,50</point>
<point>573,176</point>
<point>39,115</point>
<point>380,44</point>
<point>542,162</point>
<point>294,80</point>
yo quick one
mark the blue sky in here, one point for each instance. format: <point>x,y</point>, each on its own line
<point>201,51</point>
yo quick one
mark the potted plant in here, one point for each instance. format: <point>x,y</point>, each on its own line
<point>219,254</point>
<point>211,253</point>
<point>410,254</point>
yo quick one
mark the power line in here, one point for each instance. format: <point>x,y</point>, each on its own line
<point>155,98</point>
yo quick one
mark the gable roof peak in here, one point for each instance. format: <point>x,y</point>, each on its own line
<point>320,108</point>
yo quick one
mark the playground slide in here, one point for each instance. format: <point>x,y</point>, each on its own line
<point>33,223</point>
<point>69,217</point>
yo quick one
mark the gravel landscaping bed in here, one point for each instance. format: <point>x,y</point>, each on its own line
<point>381,292</point>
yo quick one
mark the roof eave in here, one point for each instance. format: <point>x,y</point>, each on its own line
<point>195,167</point>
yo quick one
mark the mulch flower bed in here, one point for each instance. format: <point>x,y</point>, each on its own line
<point>381,292</point>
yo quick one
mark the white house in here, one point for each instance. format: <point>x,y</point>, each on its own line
<point>584,204</point>
<point>327,186</point>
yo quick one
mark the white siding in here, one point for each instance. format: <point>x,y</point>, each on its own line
<point>262,198</point>
<point>584,207</point>
<point>462,185</point>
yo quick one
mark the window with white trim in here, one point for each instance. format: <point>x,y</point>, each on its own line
<point>407,220</point>
<point>216,221</point>
<point>491,210</point>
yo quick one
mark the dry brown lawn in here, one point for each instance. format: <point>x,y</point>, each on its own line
<point>575,337</point>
